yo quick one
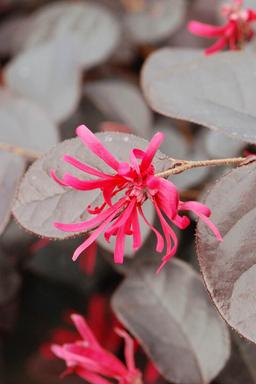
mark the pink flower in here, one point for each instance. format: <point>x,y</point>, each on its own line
<point>100,319</point>
<point>233,34</point>
<point>91,362</point>
<point>130,185</point>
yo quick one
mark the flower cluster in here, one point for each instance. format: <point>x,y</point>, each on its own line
<point>233,33</point>
<point>102,323</point>
<point>130,185</point>
<point>99,318</point>
<point>90,361</point>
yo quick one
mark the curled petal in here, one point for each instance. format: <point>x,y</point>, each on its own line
<point>94,144</point>
<point>129,349</point>
<point>159,237</point>
<point>167,198</point>
<point>91,223</point>
<point>151,150</point>
<point>85,185</point>
<point>84,167</point>
<point>205,30</point>
<point>85,331</point>
<point>216,47</point>
<point>68,353</point>
<point>137,241</point>
<point>203,212</point>
<point>57,179</point>
<point>170,237</point>
<point>93,236</point>
<point>134,162</point>
<point>122,220</point>
<point>119,246</point>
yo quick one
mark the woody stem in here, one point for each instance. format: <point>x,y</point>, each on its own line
<point>27,153</point>
<point>133,5</point>
<point>180,166</point>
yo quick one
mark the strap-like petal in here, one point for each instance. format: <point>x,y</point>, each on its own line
<point>151,150</point>
<point>95,145</point>
<point>205,30</point>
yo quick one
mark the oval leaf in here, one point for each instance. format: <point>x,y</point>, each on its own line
<point>93,30</point>
<point>12,168</point>
<point>216,91</point>
<point>41,201</point>
<point>219,145</point>
<point>229,268</point>
<point>156,20</point>
<point>176,146</point>
<point>25,124</point>
<point>237,370</point>
<point>122,102</point>
<point>49,75</point>
<point>171,316</point>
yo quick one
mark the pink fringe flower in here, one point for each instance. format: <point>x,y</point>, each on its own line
<point>233,34</point>
<point>131,185</point>
<point>87,359</point>
<point>100,319</point>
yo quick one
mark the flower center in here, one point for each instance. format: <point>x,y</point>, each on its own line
<point>235,12</point>
<point>138,191</point>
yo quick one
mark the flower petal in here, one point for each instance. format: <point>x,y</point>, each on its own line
<point>93,236</point>
<point>94,144</point>
<point>57,179</point>
<point>129,349</point>
<point>119,246</point>
<point>203,212</point>
<point>86,185</point>
<point>167,198</point>
<point>159,237</point>
<point>216,47</point>
<point>137,241</point>
<point>84,167</point>
<point>85,331</point>
<point>91,223</point>
<point>151,150</point>
<point>205,30</point>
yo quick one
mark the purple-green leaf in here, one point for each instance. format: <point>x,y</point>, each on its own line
<point>216,91</point>
<point>171,315</point>
<point>229,268</point>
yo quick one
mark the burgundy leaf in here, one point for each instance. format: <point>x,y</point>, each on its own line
<point>229,267</point>
<point>171,316</point>
<point>25,124</point>
<point>155,21</point>
<point>121,102</point>
<point>12,168</point>
<point>216,91</point>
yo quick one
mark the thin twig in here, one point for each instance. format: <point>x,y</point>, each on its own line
<point>27,153</point>
<point>183,165</point>
<point>133,6</point>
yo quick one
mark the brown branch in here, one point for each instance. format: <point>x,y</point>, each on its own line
<point>183,165</point>
<point>133,6</point>
<point>27,153</point>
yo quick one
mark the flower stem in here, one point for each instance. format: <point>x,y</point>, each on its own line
<point>183,165</point>
<point>27,153</point>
